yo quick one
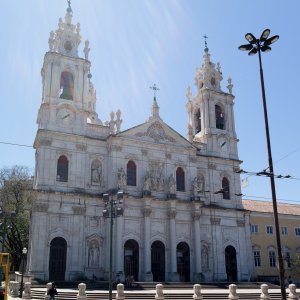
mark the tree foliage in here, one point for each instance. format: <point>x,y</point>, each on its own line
<point>15,199</point>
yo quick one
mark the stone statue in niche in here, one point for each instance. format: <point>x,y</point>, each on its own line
<point>172,186</point>
<point>86,49</point>
<point>198,187</point>
<point>147,185</point>
<point>93,255</point>
<point>96,172</point>
<point>204,258</point>
<point>122,179</point>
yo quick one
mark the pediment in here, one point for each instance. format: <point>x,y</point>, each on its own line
<point>156,131</point>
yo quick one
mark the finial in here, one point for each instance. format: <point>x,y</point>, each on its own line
<point>86,49</point>
<point>205,42</point>
<point>155,89</point>
<point>69,9</point>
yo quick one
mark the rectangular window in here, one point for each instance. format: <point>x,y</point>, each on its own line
<point>269,229</point>
<point>257,262</point>
<point>297,231</point>
<point>284,231</point>
<point>272,259</point>
<point>254,228</point>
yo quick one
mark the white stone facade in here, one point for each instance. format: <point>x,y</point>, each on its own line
<point>183,216</point>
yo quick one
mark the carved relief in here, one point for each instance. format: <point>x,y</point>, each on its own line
<point>198,187</point>
<point>183,231</point>
<point>172,214</point>
<point>155,180</point>
<point>144,152</point>
<point>158,229</point>
<point>122,179</point>
<point>78,210</point>
<point>147,211</point>
<point>215,221</point>
<point>240,223</point>
<point>212,166</point>
<point>81,147</point>
<point>157,133</point>
<point>196,215</point>
<point>229,234</point>
<point>132,227</point>
<point>45,142</point>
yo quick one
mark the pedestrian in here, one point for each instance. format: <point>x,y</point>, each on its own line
<point>52,292</point>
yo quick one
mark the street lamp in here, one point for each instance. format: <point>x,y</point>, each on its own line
<point>24,252</point>
<point>113,209</point>
<point>257,46</point>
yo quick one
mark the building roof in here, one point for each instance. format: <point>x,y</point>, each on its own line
<point>267,207</point>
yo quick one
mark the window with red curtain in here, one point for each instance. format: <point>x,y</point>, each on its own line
<point>62,169</point>
<point>180,182</point>
<point>131,173</point>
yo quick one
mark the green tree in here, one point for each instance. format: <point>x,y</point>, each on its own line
<point>15,204</point>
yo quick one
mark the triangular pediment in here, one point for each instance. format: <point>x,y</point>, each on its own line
<point>155,131</point>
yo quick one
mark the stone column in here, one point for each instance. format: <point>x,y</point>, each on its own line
<point>147,247</point>
<point>197,246</point>
<point>119,249</point>
<point>173,247</point>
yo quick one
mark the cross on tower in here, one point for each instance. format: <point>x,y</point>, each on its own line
<point>155,89</point>
<point>205,40</point>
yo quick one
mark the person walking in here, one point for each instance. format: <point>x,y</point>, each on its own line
<point>52,292</point>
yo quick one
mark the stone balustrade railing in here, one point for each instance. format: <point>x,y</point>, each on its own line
<point>14,288</point>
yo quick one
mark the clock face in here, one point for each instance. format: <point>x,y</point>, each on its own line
<point>65,116</point>
<point>223,144</point>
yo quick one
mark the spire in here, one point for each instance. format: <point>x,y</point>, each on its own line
<point>205,42</point>
<point>155,107</point>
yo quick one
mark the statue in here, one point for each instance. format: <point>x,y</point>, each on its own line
<point>198,187</point>
<point>172,185</point>
<point>147,184</point>
<point>94,255</point>
<point>51,41</point>
<point>122,180</point>
<point>86,49</point>
<point>96,172</point>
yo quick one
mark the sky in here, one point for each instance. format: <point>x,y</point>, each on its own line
<point>136,43</point>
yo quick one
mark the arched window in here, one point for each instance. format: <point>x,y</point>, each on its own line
<point>220,120</point>
<point>180,182</point>
<point>66,86</point>
<point>62,169</point>
<point>226,188</point>
<point>198,121</point>
<point>131,173</point>
<point>96,172</point>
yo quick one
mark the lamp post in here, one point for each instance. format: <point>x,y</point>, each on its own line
<point>257,46</point>
<point>113,209</point>
<point>24,252</point>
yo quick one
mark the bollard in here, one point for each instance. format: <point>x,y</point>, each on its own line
<point>159,292</point>
<point>232,292</point>
<point>14,288</point>
<point>81,291</point>
<point>48,286</point>
<point>292,294</point>
<point>120,292</point>
<point>264,292</point>
<point>27,291</point>
<point>197,292</point>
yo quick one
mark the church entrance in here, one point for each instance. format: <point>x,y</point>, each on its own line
<point>183,261</point>
<point>131,259</point>
<point>231,265</point>
<point>158,261</point>
<point>57,260</point>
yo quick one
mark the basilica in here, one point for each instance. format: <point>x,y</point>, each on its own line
<point>182,213</point>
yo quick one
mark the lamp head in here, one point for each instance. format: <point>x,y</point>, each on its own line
<point>24,251</point>
<point>246,47</point>
<point>105,213</point>
<point>264,35</point>
<point>265,48</point>
<point>253,51</point>
<point>271,40</point>
<point>250,38</point>
<point>105,198</point>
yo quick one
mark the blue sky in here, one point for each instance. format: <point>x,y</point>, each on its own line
<point>135,43</point>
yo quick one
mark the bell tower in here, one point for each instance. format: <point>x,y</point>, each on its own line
<point>68,97</point>
<point>210,111</point>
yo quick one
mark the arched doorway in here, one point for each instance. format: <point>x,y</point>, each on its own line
<point>131,259</point>
<point>231,266</point>
<point>158,261</point>
<point>183,261</point>
<point>57,259</point>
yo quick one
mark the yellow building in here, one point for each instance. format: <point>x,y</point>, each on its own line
<point>263,239</point>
